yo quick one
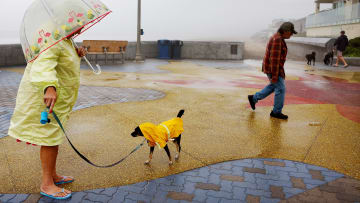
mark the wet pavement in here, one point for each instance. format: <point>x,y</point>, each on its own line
<point>247,180</point>
<point>131,67</point>
<point>230,153</point>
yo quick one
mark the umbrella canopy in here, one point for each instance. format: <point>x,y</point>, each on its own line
<point>47,22</point>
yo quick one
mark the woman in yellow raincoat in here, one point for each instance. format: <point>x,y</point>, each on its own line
<point>54,77</point>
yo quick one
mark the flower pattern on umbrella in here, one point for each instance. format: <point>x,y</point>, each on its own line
<point>59,20</point>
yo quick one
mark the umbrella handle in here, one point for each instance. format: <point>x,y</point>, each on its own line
<point>98,71</point>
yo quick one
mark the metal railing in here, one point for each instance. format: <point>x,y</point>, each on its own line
<point>339,16</point>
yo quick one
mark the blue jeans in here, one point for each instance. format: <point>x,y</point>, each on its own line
<point>279,88</point>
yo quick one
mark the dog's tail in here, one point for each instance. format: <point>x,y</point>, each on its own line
<point>181,112</point>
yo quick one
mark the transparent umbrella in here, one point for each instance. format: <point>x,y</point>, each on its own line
<point>47,22</point>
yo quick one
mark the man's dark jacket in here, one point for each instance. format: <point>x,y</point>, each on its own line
<point>341,43</point>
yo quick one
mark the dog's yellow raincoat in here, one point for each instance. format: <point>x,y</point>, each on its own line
<point>59,66</point>
<point>160,134</point>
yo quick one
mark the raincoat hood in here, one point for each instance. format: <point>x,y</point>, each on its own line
<point>160,134</point>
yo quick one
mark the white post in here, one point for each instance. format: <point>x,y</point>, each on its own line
<point>139,57</point>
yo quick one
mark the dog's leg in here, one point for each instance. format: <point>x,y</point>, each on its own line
<point>168,153</point>
<point>150,155</point>
<point>178,146</point>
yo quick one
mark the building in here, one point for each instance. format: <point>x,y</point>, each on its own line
<point>300,27</point>
<point>264,35</point>
<point>344,15</point>
<point>317,32</point>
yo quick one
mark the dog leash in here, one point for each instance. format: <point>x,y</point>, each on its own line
<point>86,159</point>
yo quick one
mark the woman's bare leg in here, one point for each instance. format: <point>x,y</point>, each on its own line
<point>48,155</point>
<point>54,174</point>
<point>56,177</point>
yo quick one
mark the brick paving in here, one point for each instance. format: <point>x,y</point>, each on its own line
<point>9,83</point>
<point>226,182</point>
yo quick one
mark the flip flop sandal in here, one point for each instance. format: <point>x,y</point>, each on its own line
<point>346,66</point>
<point>53,196</point>
<point>62,181</point>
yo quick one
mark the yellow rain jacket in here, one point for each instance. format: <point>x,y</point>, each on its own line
<point>59,66</point>
<point>160,134</point>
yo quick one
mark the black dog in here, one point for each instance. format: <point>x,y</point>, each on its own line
<point>161,134</point>
<point>311,57</point>
<point>329,58</point>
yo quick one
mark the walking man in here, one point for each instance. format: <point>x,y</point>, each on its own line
<point>341,44</point>
<point>273,67</point>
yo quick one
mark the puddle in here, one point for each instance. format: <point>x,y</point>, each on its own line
<point>314,123</point>
<point>151,66</point>
<point>224,65</point>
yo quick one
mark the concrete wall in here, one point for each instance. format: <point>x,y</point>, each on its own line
<point>192,50</point>
<point>11,55</point>
<point>212,50</point>
<point>354,61</point>
<point>297,51</point>
<point>351,30</point>
<point>148,49</point>
<point>298,47</point>
<point>299,25</point>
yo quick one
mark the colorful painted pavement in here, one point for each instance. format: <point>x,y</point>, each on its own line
<point>214,172</point>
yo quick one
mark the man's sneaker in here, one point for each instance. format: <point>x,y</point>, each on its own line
<point>278,115</point>
<point>251,101</point>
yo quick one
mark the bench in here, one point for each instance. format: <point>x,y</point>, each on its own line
<point>107,47</point>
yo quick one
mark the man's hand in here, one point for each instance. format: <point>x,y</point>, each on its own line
<point>81,51</point>
<point>50,97</point>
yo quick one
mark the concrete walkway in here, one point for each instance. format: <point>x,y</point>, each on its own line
<point>274,160</point>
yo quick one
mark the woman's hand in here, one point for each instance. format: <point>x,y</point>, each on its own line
<point>81,51</point>
<point>50,97</point>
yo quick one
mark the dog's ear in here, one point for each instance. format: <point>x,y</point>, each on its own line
<point>136,131</point>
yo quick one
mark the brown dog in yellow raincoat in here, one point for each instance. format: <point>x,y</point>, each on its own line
<point>160,134</point>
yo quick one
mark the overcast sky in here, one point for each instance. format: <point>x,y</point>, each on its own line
<point>225,20</point>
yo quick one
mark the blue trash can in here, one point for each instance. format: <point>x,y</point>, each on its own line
<point>164,49</point>
<point>176,49</point>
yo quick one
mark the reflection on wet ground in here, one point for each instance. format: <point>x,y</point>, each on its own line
<point>227,64</point>
<point>151,66</point>
<point>219,124</point>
